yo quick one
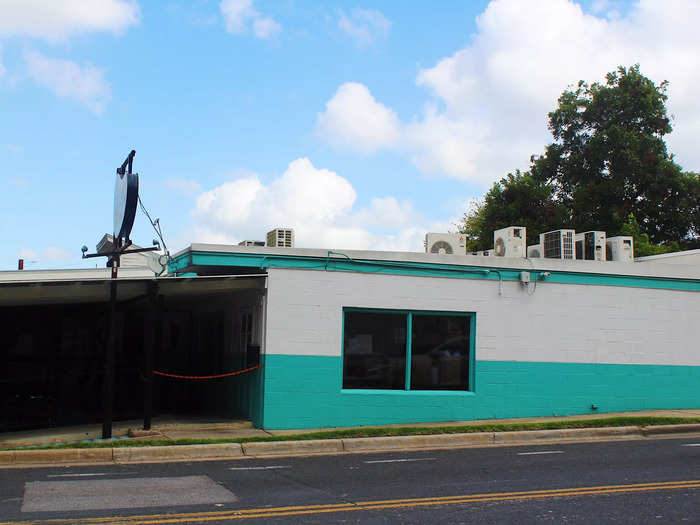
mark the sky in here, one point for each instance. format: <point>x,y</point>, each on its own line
<point>360,125</point>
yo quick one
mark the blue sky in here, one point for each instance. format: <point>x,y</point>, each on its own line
<point>360,125</point>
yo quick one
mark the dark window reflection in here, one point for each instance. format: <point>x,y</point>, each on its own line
<point>374,354</point>
<point>440,352</point>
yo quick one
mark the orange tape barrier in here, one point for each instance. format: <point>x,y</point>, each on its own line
<point>206,377</point>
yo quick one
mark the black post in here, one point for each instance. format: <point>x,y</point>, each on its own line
<point>108,385</point>
<point>151,344</point>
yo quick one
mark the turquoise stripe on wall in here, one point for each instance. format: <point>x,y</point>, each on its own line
<point>305,392</point>
<point>188,260</point>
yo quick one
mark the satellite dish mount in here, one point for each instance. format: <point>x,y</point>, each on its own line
<point>126,199</point>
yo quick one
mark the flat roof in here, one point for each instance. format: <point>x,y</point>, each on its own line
<point>263,257</point>
<point>667,255</point>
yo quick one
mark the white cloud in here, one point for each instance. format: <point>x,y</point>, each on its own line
<point>56,20</point>
<point>48,255</point>
<point>239,13</point>
<point>364,26</point>
<point>265,27</point>
<point>67,79</point>
<point>317,203</point>
<point>53,253</point>
<point>236,13</point>
<point>489,101</point>
<point>354,119</point>
<point>28,254</point>
<point>184,186</point>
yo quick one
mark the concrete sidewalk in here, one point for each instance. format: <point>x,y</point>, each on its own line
<point>171,427</point>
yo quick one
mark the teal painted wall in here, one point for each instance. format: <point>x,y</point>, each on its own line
<point>245,394</point>
<point>185,262</point>
<point>305,392</point>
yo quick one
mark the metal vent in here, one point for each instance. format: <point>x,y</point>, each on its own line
<point>552,245</point>
<point>559,244</point>
<point>441,247</point>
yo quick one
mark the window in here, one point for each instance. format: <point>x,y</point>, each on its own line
<point>375,350</point>
<point>390,350</point>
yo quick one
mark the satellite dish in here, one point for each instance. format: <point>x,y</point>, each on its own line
<point>126,197</point>
<point>157,263</point>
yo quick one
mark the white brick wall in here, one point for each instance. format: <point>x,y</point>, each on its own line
<point>558,323</point>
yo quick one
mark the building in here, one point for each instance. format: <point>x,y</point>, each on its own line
<point>579,337</point>
<point>363,338</point>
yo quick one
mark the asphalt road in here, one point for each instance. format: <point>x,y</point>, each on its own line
<point>650,481</point>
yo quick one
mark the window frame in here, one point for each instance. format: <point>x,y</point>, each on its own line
<point>471,351</point>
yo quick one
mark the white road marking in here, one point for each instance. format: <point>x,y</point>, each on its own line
<point>403,460</point>
<point>691,445</point>
<point>540,452</point>
<point>84,474</point>
<point>88,474</point>
<point>270,467</point>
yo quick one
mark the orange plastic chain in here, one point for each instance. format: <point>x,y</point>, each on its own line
<point>206,377</point>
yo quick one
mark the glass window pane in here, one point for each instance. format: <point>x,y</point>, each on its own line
<point>440,352</point>
<point>374,350</point>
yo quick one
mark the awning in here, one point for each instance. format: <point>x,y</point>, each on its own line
<point>72,291</point>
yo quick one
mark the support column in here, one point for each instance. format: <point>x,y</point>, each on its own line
<point>151,346</point>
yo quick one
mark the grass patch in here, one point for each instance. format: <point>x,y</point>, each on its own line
<point>640,421</point>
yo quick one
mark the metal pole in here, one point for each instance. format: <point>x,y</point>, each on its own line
<point>152,342</point>
<point>108,385</point>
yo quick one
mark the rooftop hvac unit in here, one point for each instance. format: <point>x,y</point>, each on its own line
<point>446,243</point>
<point>620,248</point>
<point>251,243</point>
<point>590,246</point>
<point>281,238</point>
<point>509,242</point>
<point>534,251</point>
<point>558,244</point>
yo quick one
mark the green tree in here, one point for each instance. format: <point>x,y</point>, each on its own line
<point>608,160</point>
<point>516,200</point>
<point>642,246</point>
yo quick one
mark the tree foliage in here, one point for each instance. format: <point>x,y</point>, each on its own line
<point>608,160</point>
<point>642,245</point>
<point>516,200</point>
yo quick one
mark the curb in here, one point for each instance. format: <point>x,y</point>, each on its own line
<point>528,436</point>
<point>329,446</point>
<point>64,455</point>
<point>671,429</point>
<point>293,448</point>
<point>161,453</point>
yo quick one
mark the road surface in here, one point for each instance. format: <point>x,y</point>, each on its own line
<point>649,481</point>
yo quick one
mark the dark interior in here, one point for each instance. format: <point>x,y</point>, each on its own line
<point>52,358</point>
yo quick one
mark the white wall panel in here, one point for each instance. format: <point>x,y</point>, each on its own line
<point>558,323</point>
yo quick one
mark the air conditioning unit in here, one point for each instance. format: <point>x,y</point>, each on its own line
<point>590,246</point>
<point>509,242</point>
<point>534,251</point>
<point>620,248</point>
<point>446,243</point>
<point>281,238</point>
<point>251,243</point>
<point>558,244</point>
